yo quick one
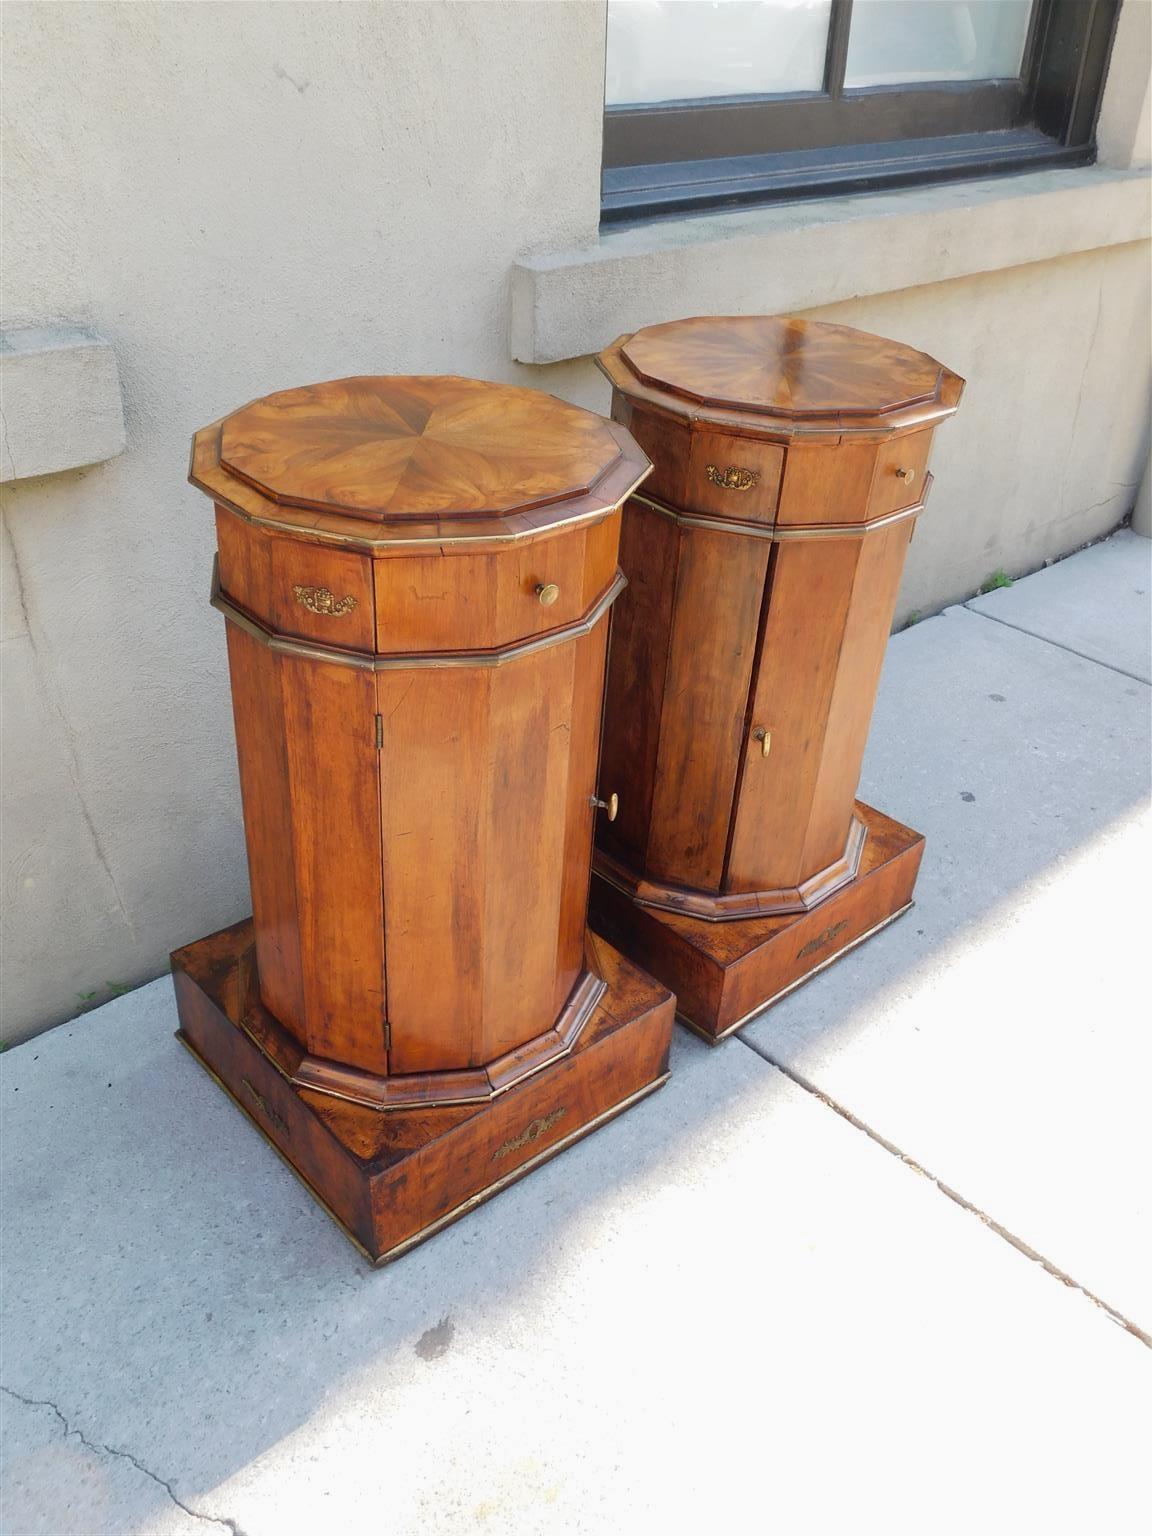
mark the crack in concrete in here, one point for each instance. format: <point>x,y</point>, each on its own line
<point>53,703</point>
<point>1080,393</point>
<point>954,1195</point>
<point>6,446</point>
<point>1096,505</point>
<point>1109,666</point>
<point>110,1450</point>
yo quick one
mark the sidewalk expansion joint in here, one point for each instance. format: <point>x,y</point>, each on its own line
<point>958,1199</point>
<point>1046,640</point>
<point>98,1449</point>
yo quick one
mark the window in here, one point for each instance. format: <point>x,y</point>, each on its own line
<point>723,103</point>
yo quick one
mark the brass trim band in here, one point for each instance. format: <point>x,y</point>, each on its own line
<point>415,542</point>
<point>778,535</point>
<point>468,1204</point>
<point>508,1178</point>
<point>203,479</point>
<point>316,650</point>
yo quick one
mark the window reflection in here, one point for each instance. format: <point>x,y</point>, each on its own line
<point>670,50</point>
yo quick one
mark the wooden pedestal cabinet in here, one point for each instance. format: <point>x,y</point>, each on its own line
<point>764,558</point>
<point>417,575</point>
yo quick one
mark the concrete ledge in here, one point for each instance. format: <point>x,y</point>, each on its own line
<point>62,406</point>
<point>572,303</point>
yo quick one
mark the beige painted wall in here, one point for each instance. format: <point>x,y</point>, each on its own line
<point>1046,450</point>
<point>244,197</point>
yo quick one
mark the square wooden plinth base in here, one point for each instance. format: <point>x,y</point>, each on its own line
<point>392,1178</point>
<point>722,973</point>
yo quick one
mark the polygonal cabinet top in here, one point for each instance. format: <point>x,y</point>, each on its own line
<point>782,376</point>
<point>419,452</point>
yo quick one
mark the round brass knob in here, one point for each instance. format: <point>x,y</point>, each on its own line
<point>611,805</point>
<point>907,475</point>
<point>547,593</point>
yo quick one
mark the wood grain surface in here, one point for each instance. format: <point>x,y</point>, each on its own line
<point>719,591</point>
<point>419,820</point>
<point>394,1179</point>
<point>782,365</point>
<point>723,972</point>
<point>486,785</point>
<point>765,557</point>
<point>386,448</point>
<point>780,378</point>
<point>308,785</point>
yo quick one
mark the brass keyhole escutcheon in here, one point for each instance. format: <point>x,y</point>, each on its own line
<point>764,737</point>
<point>321,600</point>
<point>732,478</point>
<point>547,592</point>
<point>611,806</point>
<point>907,475</point>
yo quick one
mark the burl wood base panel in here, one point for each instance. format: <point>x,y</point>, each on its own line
<point>392,1178</point>
<point>722,973</point>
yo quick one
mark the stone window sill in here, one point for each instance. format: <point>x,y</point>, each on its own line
<point>801,256</point>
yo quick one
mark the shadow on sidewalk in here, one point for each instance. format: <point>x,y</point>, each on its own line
<point>165,1273</point>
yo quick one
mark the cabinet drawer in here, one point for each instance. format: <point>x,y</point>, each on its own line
<point>852,482</point>
<point>303,590</point>
<point>706,471</point>
<point>733,477</point>
<point>322,594</point>
<point>459,601</point>
<point>826,485</point>
<point>899,478</point>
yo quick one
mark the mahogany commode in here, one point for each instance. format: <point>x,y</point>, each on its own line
<point>417,575</point>
<point>764,558</point>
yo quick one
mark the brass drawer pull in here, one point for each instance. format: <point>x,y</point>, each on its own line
<point>907,475</point>
<point>764,738</point>
<point>547,592</point>
<point>611,805</point>
<point>320,600</point>
<point>734,478</point>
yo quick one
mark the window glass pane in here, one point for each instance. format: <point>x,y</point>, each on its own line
<point>670,50</point>
<point>893,42</point>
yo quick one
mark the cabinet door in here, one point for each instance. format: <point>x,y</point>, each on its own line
<point>306,744</point>
<point>716,613</point>
<point>486,784</point>
<point>637,667</point>
<point>829,613</point>
<point>330,751</point>
<point>809,596</point>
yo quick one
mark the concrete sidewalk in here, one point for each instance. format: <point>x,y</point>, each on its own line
<point>880,1263</point>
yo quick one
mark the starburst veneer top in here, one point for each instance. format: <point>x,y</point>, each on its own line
<point>416,456</point>
<point>790,377</point>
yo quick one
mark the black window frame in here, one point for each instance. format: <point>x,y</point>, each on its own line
<point>670,158</point>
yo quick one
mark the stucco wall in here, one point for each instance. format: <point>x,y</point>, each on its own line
<point>239,198</point>
<point>1046,450</point>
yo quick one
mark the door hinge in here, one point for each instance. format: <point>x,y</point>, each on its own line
<point>379,732</point>
<point>387,1035</point>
